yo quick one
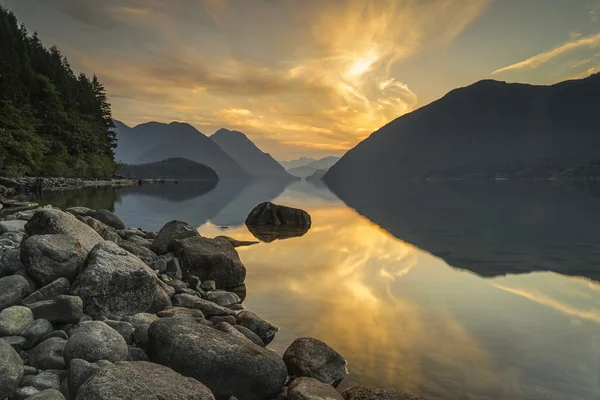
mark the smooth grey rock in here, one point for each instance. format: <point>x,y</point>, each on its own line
<point>12,290</point>
<point>105,231</point>
<point>228,328</point>
<point>174,269</point>
<point>140,241</point>
<point>79,211</point>
<point>60,310</point>
<point>93,341</point>
<point>237,243</point>
<point>29,370</point>
<point>35,331</point>
<point>16,342</point>
<point>223,298</point>
<point>114,282</point>
<point>230,319</point>
<point>24,392</point>
<point>107,218</point>
<point>125,329</point>
<point>79,372</point>
<point>129,232</point>
<point>52,221</point>
<point>210,259</point>
<point>273,215</point>
<point>208,285</point>
<point>312,389</point>
<point>181,312</point>
<point>263,329</point>
<point>48,354</point>
<point>58,334</point>
<point>208,308</point>
<point>364,393</point>
<point>48,394</point>
<point>12,226</point>
<point>177,284</point>
<point>161,301</point>
<point>172,231</point>
<point>141,322</point>
<point>50,257</point>
<point>227,365</point>
<point>169,290</point>
<point>10,262</point>
<point>141,380</point>
<point>14,319</point>
<point>144,254</point>
<point>309,357</point>
<point>11,369</point>
<point>58,287</point>
<point>253,337</point>
<point>159,265</point>
<point>42,381</point>
<point>137,354</point>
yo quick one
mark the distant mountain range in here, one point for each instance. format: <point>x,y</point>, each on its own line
<point>253,160</point>
<point>489,129</point>
<point>172,168</point>
<point>305,167</point>
<point>301,162</point>
<point>229,153</point>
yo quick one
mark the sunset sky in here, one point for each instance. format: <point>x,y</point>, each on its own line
<point>309,77</point>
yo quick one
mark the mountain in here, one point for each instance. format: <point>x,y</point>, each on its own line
<point>302,172</point>
<point>301,162</point>
<point>155,141</point>
<point>253,160</point>
<point>317,175</point>
<point>324,163</point>
<point>172,168</point>
<point>488,129</point>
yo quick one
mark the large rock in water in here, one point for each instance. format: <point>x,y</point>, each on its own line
<point>94,341</point>
<point>52,221</point>
<point>11,369</point>
<point>115,282</point>
<point>313,358</point>
<point>228,365</point>
<point>364,393</point>
<point>143,381</point>
<point>269,214</point>
<point>211,260</point>
<point>50,257</point>
<point>174,230</point>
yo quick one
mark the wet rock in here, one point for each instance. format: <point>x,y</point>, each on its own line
<point>208,308</point>
<point>137,354</point>
<point>264,330</point>
<point>272,215</point>
<point>12,290</point>
<point>60,310</point>
<point>48,354</point>
<point>308,357</point>
<point>222,298</point>
<point>10,262</point>
<point>52,221</point>
<point>107,218</point>
<point>364,393</point>
<point>312,389</point>
<point>35,331</point>
<point>16,342</point>
<point>253,337</point>
<point>141,380</point>
<point>48,394</point>
<point>227,365</point>
<point>172,231</point>
<point>50,257</point>
<point>93,341</point>
<point>125,329</point>
<point>144,254</point>
<point>42,381</point>
<point>14,319</point>
<point>12,226</point>
<point>114,282</point>
<point>56,288</point>
<point>210,259</point>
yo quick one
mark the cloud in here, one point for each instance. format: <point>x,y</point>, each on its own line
<point>586,73</point>
<point>542,58</point>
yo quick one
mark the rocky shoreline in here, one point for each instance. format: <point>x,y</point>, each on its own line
<point>26,185</point>
<point>91,309</point>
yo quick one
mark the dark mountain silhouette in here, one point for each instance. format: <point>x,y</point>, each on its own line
<point>253,160</point>
<point>155,141</point>
<point>317,175</point>
<point>487,129</point>
<point>300,162</point>
<point>172,168</point>
<point>302,172</point>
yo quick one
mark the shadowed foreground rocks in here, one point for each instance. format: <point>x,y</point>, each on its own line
<point>91,310</point>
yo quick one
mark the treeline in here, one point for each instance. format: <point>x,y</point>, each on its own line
<point>52,122</point>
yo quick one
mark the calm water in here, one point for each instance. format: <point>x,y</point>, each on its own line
<point>509,308</point>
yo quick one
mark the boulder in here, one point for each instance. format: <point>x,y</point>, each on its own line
<point>272,215</point>
<point>10,262</point>
<point>48,354</point>
<point>12,226</point>
<point>143,253</point>
<point>24,392</point>
<point>42,381</point>
<point>52,221</point>
<point>14,319</point>
<point>310,357</point>
<point>253,337</point>
<point>114,282</point>
<point>107,217</point>
<point>181,312</point>
<point>79,211</point>
<point>48,394</point>
<point>60,310</point>
<point>107,232</point>
<point>223,298</point>
<point>230,319</point>
<point>208,308</point>
<point>237,243</point>
<point>210,259</point>
<point>79,372</point>
<point>56,288</point>
<point>227,328</point>
<point>16,342</point>
<point>50,257</point>
<point>140,241</point>
<point>35,331</point>
<point>172,231</point>
<point>137,354</point>
<point>129,232</point>
<point>159,265</point>
<point>364,393</point>
<point>141,323</point>
<point>125,329</point>
<point>264,329</point>
<point>312,389</point>
<point>12,290</point>
<point>227,365</point>
<point>58,334</point>
<point>161,300</point>
<point>93,341</point>
<point>174,269</point>
<point>141,380</point>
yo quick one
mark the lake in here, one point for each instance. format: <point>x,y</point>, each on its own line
<point>452,290</point>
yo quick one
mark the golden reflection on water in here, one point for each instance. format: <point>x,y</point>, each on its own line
<point>403,318</point>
